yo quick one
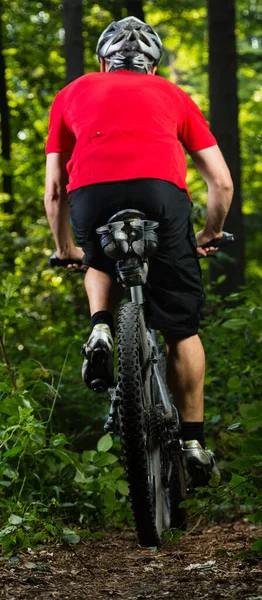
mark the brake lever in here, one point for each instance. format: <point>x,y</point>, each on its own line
<point>227,238</point>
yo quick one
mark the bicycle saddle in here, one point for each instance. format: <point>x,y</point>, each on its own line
<point>127,215</point>
<point>129,235</point>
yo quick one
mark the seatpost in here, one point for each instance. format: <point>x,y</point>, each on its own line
<point>137,294</point>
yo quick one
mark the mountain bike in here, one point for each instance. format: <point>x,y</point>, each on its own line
<point>142,410</point>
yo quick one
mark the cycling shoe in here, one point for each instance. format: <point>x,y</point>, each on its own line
<point>98,365</point>
<point>200,465</point>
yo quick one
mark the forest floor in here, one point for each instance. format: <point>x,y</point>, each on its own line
<point>209,562</point>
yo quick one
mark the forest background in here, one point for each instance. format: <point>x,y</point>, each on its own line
<point>56,472</point>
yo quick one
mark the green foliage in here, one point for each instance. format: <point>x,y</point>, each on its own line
<point>232,339</point>
<point>44,484</point>
<point>52,481</point>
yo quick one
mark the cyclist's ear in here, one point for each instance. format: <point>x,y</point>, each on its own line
<point>102,65</point>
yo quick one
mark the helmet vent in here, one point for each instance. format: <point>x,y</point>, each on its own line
<point>130,35</point>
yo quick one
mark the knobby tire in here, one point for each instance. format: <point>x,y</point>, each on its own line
<point>177,483</point>
<point>155,505</point>
<point>132,416</point>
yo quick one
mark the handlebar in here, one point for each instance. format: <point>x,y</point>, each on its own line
<point>63,262</point>
<point>227,238</point>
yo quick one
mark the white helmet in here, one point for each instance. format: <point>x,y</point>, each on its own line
<point>130,42</point>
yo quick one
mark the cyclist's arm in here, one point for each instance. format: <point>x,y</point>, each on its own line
<point>211,165</point>
<point>194,134</point>
<point>56,202</point>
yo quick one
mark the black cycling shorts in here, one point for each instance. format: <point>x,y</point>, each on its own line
<point>174,290</point>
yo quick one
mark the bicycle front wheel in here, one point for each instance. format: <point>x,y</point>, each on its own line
<point>141,454</point>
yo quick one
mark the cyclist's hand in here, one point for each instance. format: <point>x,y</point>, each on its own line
<point>75,253</point>
<point>202,238</point>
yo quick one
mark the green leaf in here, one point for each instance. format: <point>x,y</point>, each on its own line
<point>70,536</point>
<point>110,500</point>
<point>237,483</point>
<point>221,278</point>
<point>88,456</point>
<point>116,473</point>
<point>4,387</point>
<point>10,285</point>
<point>80,477</point>
<point>13,451</point>
<point>10,473</point>
<point>50,528</point>
<point>105,459</point>
<point>105,443</point>
<point>58,441</point>
<point>15,520</point>
<point>7,530</point>
<point>252,415</point>
<point>243,463</point>
<point>235,324</point>
<point>9,406</point>
<point>256,518</point>
<point>234,383</point>
<point>173,535</point>
<point>38,437</point>
<point>257,546</point>
<point>68,472</point>
<point>234,426</point>
<point>41,536</point>
<point>253,446</point>
<point>122,487</point>
<point>65,456</point>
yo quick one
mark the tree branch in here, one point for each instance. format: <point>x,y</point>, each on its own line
<point>7,363</point>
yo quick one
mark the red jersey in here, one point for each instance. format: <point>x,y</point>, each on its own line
<point>125,125</point>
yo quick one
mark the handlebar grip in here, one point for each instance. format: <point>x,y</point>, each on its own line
<point>63,262</point>
<point>226,238</point>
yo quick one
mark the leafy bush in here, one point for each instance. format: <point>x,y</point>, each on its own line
<point>232,339</point>
<point>48,485</point>
<point>44,485</point>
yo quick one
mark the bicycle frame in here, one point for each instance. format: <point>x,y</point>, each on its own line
<point>130,239</point>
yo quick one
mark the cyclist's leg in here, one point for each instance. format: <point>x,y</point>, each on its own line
<point>185,376</point>
<point>104,295</point>
<point>185,379</point>
<point>174,296</point>
<point>103,291</point>
<point>91,207</point>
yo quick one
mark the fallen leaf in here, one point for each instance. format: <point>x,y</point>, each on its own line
<point>29,565</point>
<point>210,564</point>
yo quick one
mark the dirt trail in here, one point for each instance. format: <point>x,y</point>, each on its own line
<point>201,565</point>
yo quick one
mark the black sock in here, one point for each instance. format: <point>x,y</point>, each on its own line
<point>103,316</point>
<point>193,431</point>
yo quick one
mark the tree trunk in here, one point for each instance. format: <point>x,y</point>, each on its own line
<point>5,125</point>
<point>116,9</point>
<point>224,125</point>
<point>135,9</point>
<point>74,44</point>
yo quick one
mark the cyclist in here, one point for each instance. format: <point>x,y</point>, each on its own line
<point>115,142</point>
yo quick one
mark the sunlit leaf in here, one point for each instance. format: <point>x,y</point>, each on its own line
<point>105,443</point>
<point>235,324</point>
<point>15,520</point>
<point>70,536</point>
